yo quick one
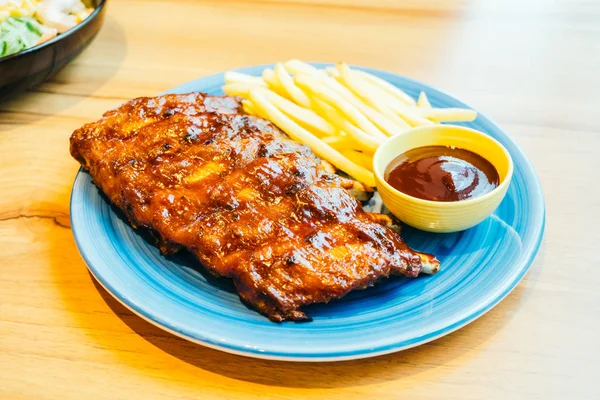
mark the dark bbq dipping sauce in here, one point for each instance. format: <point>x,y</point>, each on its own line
<point>441,173</point>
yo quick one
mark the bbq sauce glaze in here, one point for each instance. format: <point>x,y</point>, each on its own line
<point>441,173</point>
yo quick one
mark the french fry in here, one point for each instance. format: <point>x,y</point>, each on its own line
<point>320,148</point>
<point>340,142</point>
<point>407,113</point>
<point>448,114</point>
<point>249,107</point>
<point>287,84</point>
<point>236,77</point>
<point>272,82</point>
<point>369,96</point>
<point>389,126</point>
<point>388,87</point>
<point>423,101</point>
<point>333,72</point>
<point>342,114</point>
<point>365,140</point>
<point>268,76</point>
<point>359,158</point>
<point>304,116</point>
<point>384,99</point>
<point>237,89</point>
<point>411,116</point>
<point>329,96</point>
<point>300,67</point>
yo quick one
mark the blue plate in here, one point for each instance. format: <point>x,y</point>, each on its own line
<point>480,267</point>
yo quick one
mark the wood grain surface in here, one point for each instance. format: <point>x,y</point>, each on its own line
<point>531,65</point>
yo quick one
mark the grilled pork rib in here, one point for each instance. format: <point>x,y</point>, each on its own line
<point>251,204</point>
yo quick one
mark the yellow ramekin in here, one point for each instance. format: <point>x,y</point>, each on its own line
<point>437,216</point>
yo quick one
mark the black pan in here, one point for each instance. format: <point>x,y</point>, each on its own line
<point>33,66</point>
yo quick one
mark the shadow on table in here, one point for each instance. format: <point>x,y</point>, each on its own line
<point>75,286</point>
<point>325,375</point>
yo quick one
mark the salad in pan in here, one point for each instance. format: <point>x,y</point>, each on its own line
<point>26,23</point>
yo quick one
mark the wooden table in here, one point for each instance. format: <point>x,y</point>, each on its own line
<point>531,65</point>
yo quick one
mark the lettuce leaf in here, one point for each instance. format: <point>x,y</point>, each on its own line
<point>17,34</point>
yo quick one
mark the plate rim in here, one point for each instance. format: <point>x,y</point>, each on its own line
<point>365,351</point>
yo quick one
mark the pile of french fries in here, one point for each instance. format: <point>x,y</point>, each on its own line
<point>342,114</point>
